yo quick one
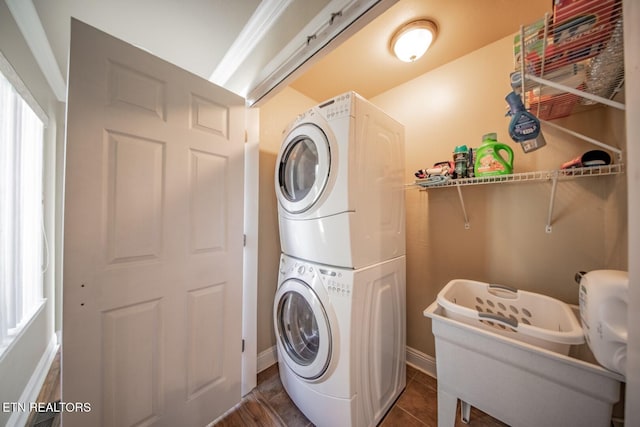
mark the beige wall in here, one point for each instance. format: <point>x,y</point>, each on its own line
<point>275,115</point>
<point>456,104</point>
<point>452,105</point>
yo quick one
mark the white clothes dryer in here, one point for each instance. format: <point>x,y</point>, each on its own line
<point>341,339</point>
<point>339,181</point>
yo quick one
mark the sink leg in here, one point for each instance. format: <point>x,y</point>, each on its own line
<point>447,405</point>
<point>465,412</point>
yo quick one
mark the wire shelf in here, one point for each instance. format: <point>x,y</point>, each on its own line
<point>553,176</point>
<point>526,176</point>
<point>571,59</point>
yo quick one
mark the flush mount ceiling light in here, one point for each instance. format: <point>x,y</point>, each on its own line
<point>412,40</point>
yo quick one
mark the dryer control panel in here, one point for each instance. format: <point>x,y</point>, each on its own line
<point>340,106</point>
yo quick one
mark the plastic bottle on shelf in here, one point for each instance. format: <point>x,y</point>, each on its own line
<point>490,161</point>
<point>460,159</point>
<point>524,127</point>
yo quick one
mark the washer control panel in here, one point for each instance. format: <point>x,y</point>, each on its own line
<point>334,282</point>
<point>293,268</point>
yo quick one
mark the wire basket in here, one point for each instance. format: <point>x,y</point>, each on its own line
<point>573,58</point>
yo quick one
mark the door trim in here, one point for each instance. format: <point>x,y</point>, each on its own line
<point>250,256</point>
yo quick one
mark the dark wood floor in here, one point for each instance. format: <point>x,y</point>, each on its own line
<point>268,405</point>
<point>416,406</point>
<point>50,392</point>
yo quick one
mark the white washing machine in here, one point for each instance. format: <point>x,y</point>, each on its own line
<point>340,184</point>
<point>341,339</point>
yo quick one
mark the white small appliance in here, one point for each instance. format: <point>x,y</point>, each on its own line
<point>339,181</point>
<point>341,339</point>
<point>604,299</point>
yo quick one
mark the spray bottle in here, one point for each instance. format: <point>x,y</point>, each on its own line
<point>524,127</point>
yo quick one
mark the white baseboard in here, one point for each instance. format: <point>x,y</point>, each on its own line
<point>32,389</point>
<point>267,358</point>
<point>421,361</point>
<point>415,358</point>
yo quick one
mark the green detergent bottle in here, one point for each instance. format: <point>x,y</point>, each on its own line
<point>489,158</point>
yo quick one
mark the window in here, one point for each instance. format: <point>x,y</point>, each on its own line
<point>21,209</point>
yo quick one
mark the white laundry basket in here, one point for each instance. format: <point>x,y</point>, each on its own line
<point>525,316</point>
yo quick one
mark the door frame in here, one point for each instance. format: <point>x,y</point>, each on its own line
<point>250,253</point>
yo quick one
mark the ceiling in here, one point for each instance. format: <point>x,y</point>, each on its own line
<point>364,62</point>
<point>233,43</point>
<point>192,34</point>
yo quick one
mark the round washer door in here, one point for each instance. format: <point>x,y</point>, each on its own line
<point>303,168</point>
<point>303,331</point>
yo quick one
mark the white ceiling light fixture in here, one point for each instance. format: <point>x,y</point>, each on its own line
<point>412,40</point>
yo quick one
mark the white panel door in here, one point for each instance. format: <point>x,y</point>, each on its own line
<point>153,239</point>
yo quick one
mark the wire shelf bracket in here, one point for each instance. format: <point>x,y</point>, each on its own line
<point>617,151</point>
<point>554,184</point>
<point>467,225</point>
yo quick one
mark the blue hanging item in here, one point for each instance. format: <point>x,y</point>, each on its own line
<point>524,127</point>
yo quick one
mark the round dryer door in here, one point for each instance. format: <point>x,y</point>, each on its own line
<point>304,335</point>
<point>303,168</point>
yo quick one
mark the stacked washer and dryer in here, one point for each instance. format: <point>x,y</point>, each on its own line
<point>339,309</point>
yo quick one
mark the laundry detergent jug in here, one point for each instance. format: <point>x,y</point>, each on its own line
<point>490,158</point>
